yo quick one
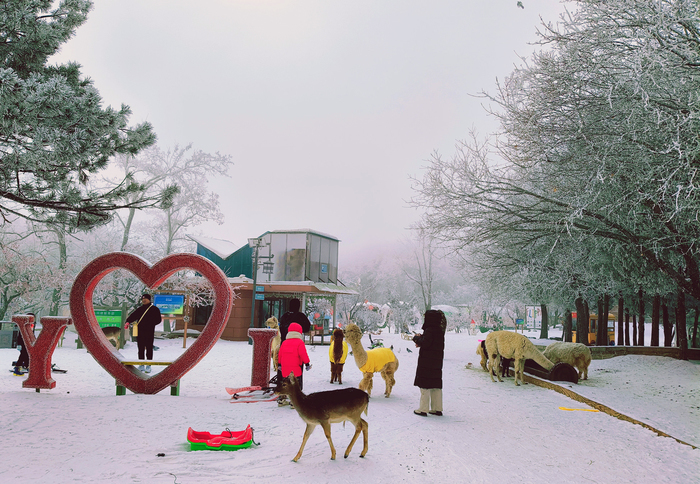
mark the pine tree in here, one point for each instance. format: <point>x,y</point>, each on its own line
<point>54,132</point>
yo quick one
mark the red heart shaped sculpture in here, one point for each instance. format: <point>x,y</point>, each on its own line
<point>105,354</point>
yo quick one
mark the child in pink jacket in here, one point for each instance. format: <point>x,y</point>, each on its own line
<point>292,355</point>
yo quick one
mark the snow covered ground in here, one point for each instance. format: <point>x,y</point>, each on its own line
<point>491,432</point>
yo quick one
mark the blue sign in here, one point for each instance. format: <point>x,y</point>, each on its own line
<point>259,288</point>
<point>169,303</point>
<point>324,268</point>
<point>259,297</point>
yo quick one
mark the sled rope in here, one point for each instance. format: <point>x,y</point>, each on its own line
<point>598,406</point>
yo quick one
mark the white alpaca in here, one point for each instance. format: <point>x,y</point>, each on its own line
<point>506,344</point>
<point>576,354</point>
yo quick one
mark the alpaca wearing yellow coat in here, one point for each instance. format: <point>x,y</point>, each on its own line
<point>381,360</point>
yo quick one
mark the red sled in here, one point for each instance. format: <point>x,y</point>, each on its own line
<point>234,391</point>
<point>227,440</point>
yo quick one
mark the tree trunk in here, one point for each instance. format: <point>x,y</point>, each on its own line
<point>681,328</point>
<point>544,330</point>
<point>601,337</point>
<point>655,310</point>
<point>127,228</point>
<point>568,322</point>
<point>581,321</point>
<point>620,315</point>
<point>635,341</point>
<point>668,326</point>
<point>640,340</point>
<point>62,261</point>
<point>627,327</point>
<point>695,327</point>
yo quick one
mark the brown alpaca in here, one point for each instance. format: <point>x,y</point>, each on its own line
<point>276,341</point>
<point>337,354</point>
<point>381,360</point>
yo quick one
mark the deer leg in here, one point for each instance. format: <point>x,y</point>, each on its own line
<point>365,436</point>
<point>358,428</point>
<point>309,430</point>
<point>340,373</point>
<point>327,430</point>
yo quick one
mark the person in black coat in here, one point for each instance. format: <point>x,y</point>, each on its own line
<point>22,363</point>
<point>294,316</point>
<point>146,318</point>
<point>429,369</point>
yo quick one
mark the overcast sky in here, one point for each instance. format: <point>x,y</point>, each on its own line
<point>327,106</point>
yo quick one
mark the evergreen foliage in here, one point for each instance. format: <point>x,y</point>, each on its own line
<point>54,132</point>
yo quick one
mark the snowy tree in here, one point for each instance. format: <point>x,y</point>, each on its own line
<point>24,272</point>
<point>599,141</point>
<point>189,170</point>
<point>421,271</point>
<point>54,132</point>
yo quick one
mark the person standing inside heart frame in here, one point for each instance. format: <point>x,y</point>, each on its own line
<point>146,318</point>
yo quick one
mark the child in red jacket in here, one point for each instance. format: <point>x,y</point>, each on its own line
<point>292,355</point>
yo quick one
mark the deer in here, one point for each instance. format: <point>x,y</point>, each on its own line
<point>325,408</point>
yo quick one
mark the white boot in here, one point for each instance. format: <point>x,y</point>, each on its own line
<point>148,368</point>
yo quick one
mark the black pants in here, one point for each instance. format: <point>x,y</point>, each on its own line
<point>23,359</point>
<point>145,345</point>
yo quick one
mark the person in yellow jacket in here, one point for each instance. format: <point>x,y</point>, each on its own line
<point>337,353</point>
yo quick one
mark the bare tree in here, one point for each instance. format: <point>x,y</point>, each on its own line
<point>421,273</point>
<point>188,169</point>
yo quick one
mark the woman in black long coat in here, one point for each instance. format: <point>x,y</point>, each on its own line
<point>429,369</point>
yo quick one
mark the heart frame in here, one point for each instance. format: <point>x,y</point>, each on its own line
<point>83,315</point>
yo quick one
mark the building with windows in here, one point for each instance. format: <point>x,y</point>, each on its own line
<point>270,270</point>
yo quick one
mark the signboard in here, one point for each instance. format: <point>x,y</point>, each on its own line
<point>259,288</point>
<point>324,268</point>
<point>170,303</point>
<point>519,322</point>
<point>107,318</point>
<point>534,316</point>
<point>259,297</point>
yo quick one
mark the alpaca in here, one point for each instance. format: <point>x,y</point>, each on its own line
<point>481,351</point>
<point>576,354</point>
<point>513,345</point>
<point>381,360</point>
<point>276,342</point>
<point>337,353</point>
